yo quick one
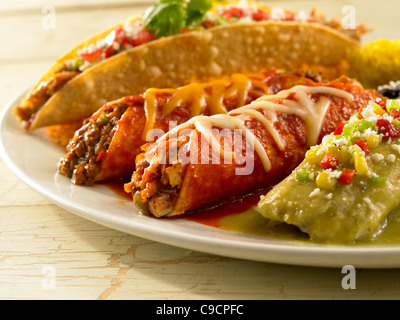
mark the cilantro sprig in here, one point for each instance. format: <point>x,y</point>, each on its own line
<point>169,17</point>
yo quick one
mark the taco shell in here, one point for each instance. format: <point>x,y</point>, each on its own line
<point>176,60</point>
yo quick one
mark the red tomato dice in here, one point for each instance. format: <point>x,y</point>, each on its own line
<point>346,177</point>
<point>339,129</point>
<point>91,56</point>
<point>329,162</point>
<point>388,129</point>
<point>143,36</point>
<point>363,145</point>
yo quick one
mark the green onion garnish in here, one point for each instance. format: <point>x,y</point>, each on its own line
<point>302,175</point>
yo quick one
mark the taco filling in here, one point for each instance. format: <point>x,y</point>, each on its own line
<point>152,26</point>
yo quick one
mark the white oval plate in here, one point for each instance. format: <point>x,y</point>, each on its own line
<point>34,160</point>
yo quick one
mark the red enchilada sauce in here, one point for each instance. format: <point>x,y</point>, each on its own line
<point>208,216</point>
<point>214,217</point>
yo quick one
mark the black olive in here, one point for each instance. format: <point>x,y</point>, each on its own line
<point>390,91</point>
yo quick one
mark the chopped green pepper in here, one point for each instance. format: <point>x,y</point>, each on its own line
<point>364,125</point>
<point>302,175</point>
<point>392,105</point>
<point>77,64</point>
<point>104,119</point>
<point>379,181</point>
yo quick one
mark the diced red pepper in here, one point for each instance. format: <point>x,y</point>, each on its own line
<point>92,56</point>
<point>207,24</point>
<point>395,113</point>
<point>120,39</point>
<point>290,16</point>
<point>120,35</point>
<point>231,12</point>
<point>143,36</point>
<point>110,51</point>
<point>346,177</point>
<point>359,113</point>
<point>363,145</point>
<point>388,129</point>
<point>382,103</point>
<point>339,129</point>
<point>101,155</point>
<point>329,162</point>
<point>260,15</point>
<point>184,30</point>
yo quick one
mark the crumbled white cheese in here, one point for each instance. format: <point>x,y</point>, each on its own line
<point>387,117</point>
<point>329,196</point>
<point>247,7</point>
<point>116,46</point>
<point>340,142</point>
<point>132,29</point>
<point>333,173</point>
<point>327,138</point>
<point>277,14</point>
<point>315,192</point>
<point>303,16</point>
<point>357,134</point>
<point>368,113</point>
<point>395,147</point>
<point>367,133</point>
<point>248,10</point>
<point>85,65</point>
<point>377,157</point>
<point>391,158</point>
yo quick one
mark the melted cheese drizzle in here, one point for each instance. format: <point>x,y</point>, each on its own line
<point>265,110</point>
<point>198,98</point>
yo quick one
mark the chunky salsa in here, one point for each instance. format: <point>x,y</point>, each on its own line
<point>140,31</point>
<point>343,154</point>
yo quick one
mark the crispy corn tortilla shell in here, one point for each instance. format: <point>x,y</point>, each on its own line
<point>173,61</point>
<point>73,53</point>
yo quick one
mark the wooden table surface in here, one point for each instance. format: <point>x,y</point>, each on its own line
<point>49,253</point>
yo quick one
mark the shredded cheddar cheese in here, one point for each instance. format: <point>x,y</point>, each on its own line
<point>202,96</point>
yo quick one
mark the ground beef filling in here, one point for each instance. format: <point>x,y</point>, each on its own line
<point>41,95</point>
<point>84,151</point>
